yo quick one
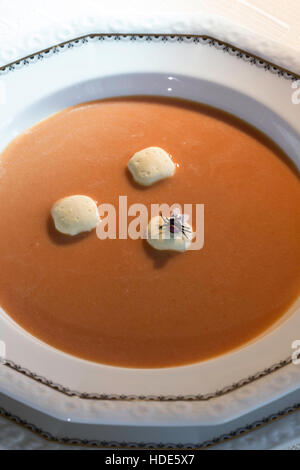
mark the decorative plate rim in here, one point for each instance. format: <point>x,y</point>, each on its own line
<point>148,398</point>
<point>195,38</point>
<point>223,438</point>
<point>192,38</point>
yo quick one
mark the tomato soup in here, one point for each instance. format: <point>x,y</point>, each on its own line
<point>120,302</point>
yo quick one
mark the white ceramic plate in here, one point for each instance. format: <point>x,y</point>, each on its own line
<point>208,393</point>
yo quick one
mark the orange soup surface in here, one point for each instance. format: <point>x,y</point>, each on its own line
<point>120,302</point>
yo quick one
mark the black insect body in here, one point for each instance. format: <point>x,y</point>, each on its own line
<point>175,224</point>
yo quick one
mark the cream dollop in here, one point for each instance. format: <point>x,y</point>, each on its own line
<point>75,214</point>
<point>159,235</point>
<point>150,165</point>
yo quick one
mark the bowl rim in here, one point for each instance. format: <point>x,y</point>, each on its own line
<point>226,48</point>
<point>164,37</point>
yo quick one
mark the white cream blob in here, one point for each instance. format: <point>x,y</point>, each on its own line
<point>159,236</point>
<point>75,214</point>
<point>151,165</point>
